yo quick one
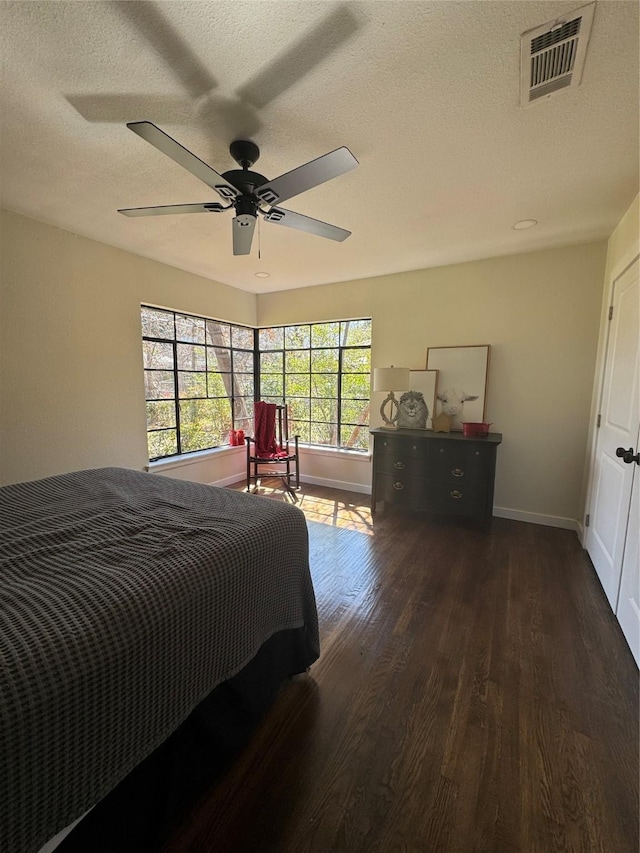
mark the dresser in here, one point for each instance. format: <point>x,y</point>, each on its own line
<point>434,472</point>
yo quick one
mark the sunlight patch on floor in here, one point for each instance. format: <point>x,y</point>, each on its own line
<point>347,515</point>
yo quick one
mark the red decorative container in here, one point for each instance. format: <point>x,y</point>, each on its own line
<point>475,430</point>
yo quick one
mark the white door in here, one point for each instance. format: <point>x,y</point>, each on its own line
<point>619,418</point>
<point>628,611</point>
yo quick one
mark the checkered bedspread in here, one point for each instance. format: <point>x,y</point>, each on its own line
<point>125,598</point>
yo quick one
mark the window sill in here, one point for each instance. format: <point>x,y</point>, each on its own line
<point>192,458</point>
<point>204,455</point>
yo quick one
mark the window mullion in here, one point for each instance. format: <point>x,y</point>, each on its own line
<point>339,401</point>
<point>257,389</point>
<point>176,395</point>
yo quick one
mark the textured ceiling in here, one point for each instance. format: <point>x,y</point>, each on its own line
<point>425,94</point>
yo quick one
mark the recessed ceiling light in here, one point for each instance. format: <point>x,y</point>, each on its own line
<point>262,274</point>
<point>525,223</point>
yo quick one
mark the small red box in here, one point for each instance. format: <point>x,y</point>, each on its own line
<point>475,430</point>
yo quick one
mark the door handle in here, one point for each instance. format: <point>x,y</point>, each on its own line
<point>628,456</point>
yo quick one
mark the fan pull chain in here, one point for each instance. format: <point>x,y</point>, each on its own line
<point>259,238</point>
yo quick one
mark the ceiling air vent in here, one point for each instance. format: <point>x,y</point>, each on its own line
<point>552,55</point>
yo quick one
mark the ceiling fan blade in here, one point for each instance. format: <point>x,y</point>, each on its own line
<point>305,177</point>
<point>306,223</point>
<point>243,228</point>
<point>164,143</point>
<point>212,207</point>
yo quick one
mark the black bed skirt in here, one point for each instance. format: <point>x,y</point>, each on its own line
<point>137,815</point>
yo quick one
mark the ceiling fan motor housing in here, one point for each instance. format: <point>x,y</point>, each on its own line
<point>245,153</point>
<point>246,208</point>
<point>244,180</point>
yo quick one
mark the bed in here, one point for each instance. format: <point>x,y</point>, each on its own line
<point>128,603</point>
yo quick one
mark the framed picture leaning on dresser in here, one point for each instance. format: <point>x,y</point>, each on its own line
<point>462,382</point>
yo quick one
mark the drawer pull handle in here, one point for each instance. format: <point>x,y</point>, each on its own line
<point>398,486</point>
<point>458,472</point>
<point>456,494</point>
<point>399,465</point>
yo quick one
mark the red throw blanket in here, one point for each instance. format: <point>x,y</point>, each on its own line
<point>265,427</point>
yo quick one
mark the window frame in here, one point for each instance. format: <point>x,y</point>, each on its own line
<point>254,356</point>
<point>230,400</point>
<point>341,349</point>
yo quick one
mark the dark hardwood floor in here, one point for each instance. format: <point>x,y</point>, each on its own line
<point>474,693</point>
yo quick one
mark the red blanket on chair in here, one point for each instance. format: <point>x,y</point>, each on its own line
<point>265,427</point>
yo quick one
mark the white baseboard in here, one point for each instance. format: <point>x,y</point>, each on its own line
<point>337,484</point>
<point>536,518</point>
<point>228,481</point>
<point>316,481</point>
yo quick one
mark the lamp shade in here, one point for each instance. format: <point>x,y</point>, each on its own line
<point>391,378</point>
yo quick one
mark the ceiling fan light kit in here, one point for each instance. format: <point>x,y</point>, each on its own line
<point>248,192</point>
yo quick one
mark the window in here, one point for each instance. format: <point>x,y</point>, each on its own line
<point>322,371</point>
<point>199,381</point>
<point>202,376</point>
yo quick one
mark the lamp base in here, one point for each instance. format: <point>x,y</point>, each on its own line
<point>389,422</point>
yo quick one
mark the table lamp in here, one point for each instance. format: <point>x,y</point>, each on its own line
<point>390,379</point>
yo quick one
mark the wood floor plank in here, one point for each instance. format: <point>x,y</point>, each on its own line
<point>474,693</point>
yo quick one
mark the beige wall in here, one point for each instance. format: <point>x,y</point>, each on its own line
<point>540,314</point>
<point>71,384</point>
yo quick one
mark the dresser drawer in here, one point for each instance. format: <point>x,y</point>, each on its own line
<point>455,498</point>
<point>457,463</point>
<point>401,490</point>
<point>459,453</point>
<point>402,448</point>
<point>399,464</point>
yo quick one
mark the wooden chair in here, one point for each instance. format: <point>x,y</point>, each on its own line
<point>270,446</point>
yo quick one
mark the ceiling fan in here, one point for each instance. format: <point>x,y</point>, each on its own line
<point>249,193</point>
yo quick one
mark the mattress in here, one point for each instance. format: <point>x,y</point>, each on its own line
<point>125,599</point>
